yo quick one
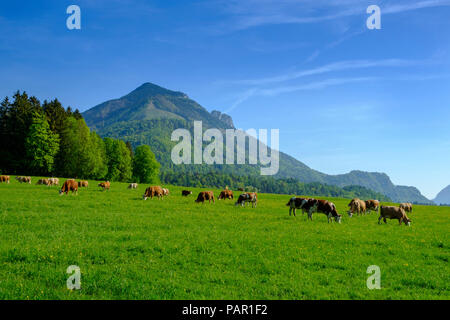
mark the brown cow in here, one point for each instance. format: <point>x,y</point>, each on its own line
<point>133,186</point>
<point>296,203</point>
<point>24,179</point>
<point>393,213</point>
<point>43,181</point>
<point>372,205</point>
<point>4,179</point>
<point>357,206</point>
<point>225,194</point>
<point>105,185</point>
<point>247,197</point>
<point>53,181</point>
<point>155,191</point>
<point>326,207</point>
<point>83,184</point>
<point>408,207</point>
<point>69,185</point>
<point>185,193</point>
<point>205,195</point>
<point>165,191</point>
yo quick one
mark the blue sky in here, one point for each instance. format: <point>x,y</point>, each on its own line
<point>344,97</point>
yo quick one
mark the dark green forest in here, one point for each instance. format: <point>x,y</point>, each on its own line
<point>50,140</point>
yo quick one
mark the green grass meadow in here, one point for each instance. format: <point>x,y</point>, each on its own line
<point>174,248</point>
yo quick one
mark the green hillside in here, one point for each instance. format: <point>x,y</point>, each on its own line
<point>149,102</point>
<point>149,114</point>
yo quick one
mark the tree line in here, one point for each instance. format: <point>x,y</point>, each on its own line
<point>50,140</point>
<point>217,179</point>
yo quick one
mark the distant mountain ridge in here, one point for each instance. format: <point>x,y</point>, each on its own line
<point>443,197</point>
<point>150,113</point>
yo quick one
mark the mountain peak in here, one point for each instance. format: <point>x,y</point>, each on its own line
<point>151,89</point>
<point>223,117</point>
<point>152,102</point>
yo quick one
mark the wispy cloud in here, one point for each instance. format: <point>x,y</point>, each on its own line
<point>313,85</point>
<point>398,8</point>
<point>243,97</point>
<point>250,13</point>
<point>316,85</point>
<point>332,67</point>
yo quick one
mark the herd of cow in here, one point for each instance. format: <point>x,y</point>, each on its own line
<point>357,206</point>
<point>248,197</point>
<point>307,205</point>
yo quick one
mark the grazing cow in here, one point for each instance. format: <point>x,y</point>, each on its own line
<point>83,184</point>
<point>24,179</point>
<point>205,196</point>
<point>105,185</point>
<point>226,194</point>
<point>185,193</point>
<point>408,207</point>
<point>69,185</point>
<point>296,203</point>
<point>309,206</point>
<point>53,181</point>
<point>357,206</point>
<point>155,191</point>
<point>4,179</point>
<point>43,181</point>
<point>393,213</point>
<point>165,191</point>
<point>326,207</point>
<point>372,205</point>
<point>133,186</point>
<point>249,197</point>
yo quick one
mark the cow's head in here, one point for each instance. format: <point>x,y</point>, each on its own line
<point>144,197</point>
<point>337,218</point>
<point>407,221</point>
<point>61,192</point>
<point>350,213</point>
<point>291,200</point>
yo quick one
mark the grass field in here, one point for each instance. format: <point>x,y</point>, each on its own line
<point>128,248</point>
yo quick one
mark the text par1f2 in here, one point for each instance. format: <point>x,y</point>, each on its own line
<point>73,22</point>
